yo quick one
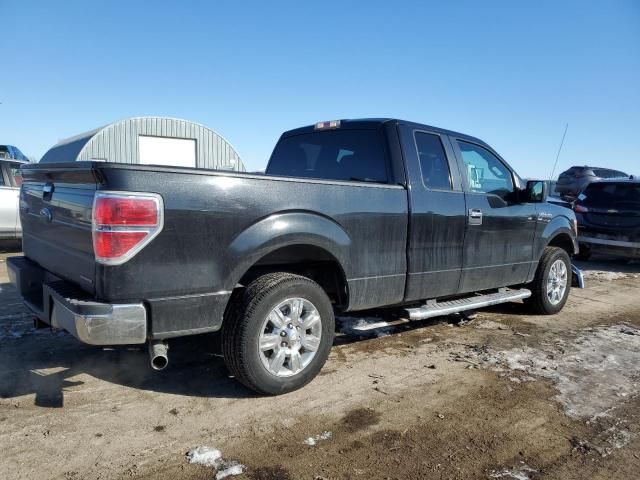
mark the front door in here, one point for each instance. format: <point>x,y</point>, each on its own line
<point>437,215</point>
<point>498,247</point>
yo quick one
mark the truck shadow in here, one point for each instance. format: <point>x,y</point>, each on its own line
<point>50,367</point>
<point>48,363</point>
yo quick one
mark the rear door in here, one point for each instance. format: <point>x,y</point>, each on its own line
<point>498,246</point>
<point>55,209</point>
<point>437,214</point>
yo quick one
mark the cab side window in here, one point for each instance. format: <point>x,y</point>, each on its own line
<point>433,161</point>
<point>2,182</point>
<point>485,172</point>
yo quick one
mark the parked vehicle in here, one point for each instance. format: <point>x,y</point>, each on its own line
<point>10,180</point>
<point>608,214</point>
<point>573,181</point>
<point>350,215</point>
<point>9,152</point>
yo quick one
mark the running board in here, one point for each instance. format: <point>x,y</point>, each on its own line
<point>381,324</point>
<point>434,309</point>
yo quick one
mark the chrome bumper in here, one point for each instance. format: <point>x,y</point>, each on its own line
<point>118,324</point>
<point>61,305</point>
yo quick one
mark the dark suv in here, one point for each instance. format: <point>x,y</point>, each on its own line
<point>573,181</point>
<point>608,214</point>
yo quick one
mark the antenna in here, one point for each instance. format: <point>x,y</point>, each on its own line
<point>566,127</point>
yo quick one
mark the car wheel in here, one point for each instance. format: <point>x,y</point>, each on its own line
<point>552,283</point>
<point>278,333</point>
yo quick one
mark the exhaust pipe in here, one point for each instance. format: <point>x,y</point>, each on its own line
<point>158,354</point>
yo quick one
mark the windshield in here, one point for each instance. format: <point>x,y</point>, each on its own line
<point>612,195</point>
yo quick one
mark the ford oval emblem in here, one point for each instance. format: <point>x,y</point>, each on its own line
<point>46,215</point>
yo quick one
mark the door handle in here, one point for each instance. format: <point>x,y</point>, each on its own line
<point>475,216</point>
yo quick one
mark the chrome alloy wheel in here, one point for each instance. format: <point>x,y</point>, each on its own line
<point>290,337</point>
<point>557,282</point>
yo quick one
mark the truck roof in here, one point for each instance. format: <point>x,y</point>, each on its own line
<point>373,123</point>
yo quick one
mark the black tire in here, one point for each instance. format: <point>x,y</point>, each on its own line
<point>539,302</point>
<point>242,328</point>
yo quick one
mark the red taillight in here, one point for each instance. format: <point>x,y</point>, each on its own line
<point>126,211</point>
<point>116,244</point>
<point>123,224</point>
<point>579,208</point>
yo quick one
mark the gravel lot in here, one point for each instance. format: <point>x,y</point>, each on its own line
<point>505,395</point>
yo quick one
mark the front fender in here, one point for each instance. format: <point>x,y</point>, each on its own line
<point>559,225</point>
<point>282,230</point>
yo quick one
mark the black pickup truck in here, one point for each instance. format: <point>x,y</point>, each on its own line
<point>350,215</point>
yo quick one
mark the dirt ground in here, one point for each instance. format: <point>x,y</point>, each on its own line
<point>504,395</point>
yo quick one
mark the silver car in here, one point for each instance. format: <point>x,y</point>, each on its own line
<point>10,180</point>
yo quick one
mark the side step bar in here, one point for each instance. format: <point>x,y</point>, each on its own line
<point>435,309</point>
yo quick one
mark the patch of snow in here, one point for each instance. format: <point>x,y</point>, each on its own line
<point>207,456</point>
<point>604,275</point>
<point>230,470</point>
<point>518,473</point>
<point>212,457</point>
<point>311,441</point>
<point>593,373</point>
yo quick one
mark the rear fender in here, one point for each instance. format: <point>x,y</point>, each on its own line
<point>282,230</point>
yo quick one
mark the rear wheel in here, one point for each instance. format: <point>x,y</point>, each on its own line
<point>551,285</point>
<point>278,333</point>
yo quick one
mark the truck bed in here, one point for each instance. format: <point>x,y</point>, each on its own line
<point>216,225</point>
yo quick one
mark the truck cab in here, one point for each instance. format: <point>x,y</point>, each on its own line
<point>471,223</point>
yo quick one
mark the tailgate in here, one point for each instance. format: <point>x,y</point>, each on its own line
<point>55,209</point>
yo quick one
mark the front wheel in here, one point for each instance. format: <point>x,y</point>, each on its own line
<point>278,333</point>
<point>551,285</point>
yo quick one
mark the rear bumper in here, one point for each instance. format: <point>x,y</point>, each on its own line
<point>611,246</point>
<point>61,305</point>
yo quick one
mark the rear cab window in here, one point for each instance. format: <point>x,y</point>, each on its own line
<point>350,155</point>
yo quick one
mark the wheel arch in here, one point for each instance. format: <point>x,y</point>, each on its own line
<point>298,242</point>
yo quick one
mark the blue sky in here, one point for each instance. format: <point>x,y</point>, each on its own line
<point>511,73</point>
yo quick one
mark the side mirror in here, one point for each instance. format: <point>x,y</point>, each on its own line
<point>535,192</point>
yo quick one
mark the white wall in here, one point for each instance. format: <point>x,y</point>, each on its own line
<point>178,152</point>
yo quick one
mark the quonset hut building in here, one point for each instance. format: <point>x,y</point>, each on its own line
<point>149,140</point>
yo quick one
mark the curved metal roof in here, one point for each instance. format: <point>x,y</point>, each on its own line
<point>118,142</point>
